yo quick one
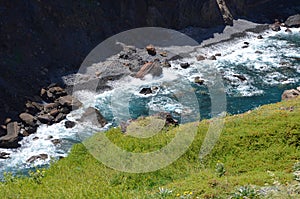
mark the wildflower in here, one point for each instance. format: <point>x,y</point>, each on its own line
<point>178,195</point>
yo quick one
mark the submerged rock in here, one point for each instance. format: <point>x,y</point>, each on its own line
<point>69,124</point>
<point>185,65</point>
<point>152,68</point>
<point>42,156</point>
<point>151,50</point>
<point>94,116</point>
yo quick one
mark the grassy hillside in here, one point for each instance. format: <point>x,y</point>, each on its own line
<point>255,154</point>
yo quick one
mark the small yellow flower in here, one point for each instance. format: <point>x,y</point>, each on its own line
<point>185,193</point>
<point>178,195</point>
<point>191,193</point>
<point>38,171</point>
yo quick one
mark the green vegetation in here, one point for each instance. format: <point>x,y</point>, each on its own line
<point>257,151</point>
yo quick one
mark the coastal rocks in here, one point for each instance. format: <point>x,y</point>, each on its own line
<point>151,50</point>
<point>293,21</point>
<point>4,155</point>
<point>152,68</point>
<point>290,94</point>
<point>32,159</point>
<point>213,57</point>
<point>69,101</point>
<point>148,90</point>
<point>46,119</point>
<point>69,124</point>
<point>28,119</point>
<point>198,80</point>
<point>10,140</point>
<point>94,116</point>
<point>227,16</point>
<point>185,65</point>
<point>200,58</point>
<point>240,77</point>
<point>276,26</point>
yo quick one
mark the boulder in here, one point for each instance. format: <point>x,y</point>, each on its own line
<point>212,58</point>
<point>54,112</point>
<point>200,58</point>
<point>166,64</point>
<point>241,77</point>
<point>10,140</point>
<point>293,21</point>
<point>275,26</point>
<point>69,101</point>
<point>94,116</point>
<point>259,37</point>
<point>288,30</point>
<point>170,121</point>
<point>146,91</point>
<point>69,124</point>
<point>57,91</point>
<point>56,141</point>
<point>199,81</point>
<point>60,117</point>
<point>290,94</point>
<point>46,119</point>
<point>42,156</point>
<point>50,106</point>
<point>152,68</point>
<point>151,50</point>
<point>28,119</point>
<point>4,155</point>
<point>185,65</point>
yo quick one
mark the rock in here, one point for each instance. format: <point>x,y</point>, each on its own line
<point>57,92</point>
<point>212,58</point>
<point>226,14</point>
<point>56,141</point>
<point>185,65</point>
<point>30,108</point>
<point>290,94</point>
<point>298,88</point>
<point>259,37</point>
<point>246,43</point>
<point>275,26</point>
<point>146,91</point>
<point>31,129</point>
<point>7,120</point>
<point>170,121</point>
<point>42,156</point>
<point>152,68</point>
<point>241,77</point>
<point>97,73</point>
<point>288,30</point>
<point>10,140</point>
<point>218,54</point>
<point>60,117</point>
<point>4,155</point>
<point>151,50</point>
<point>258,52</point>
<point>293,21</point>
<point>49,106</point>
<point>46,119</point>
<point>54,112</point>
<point>163,54</point>
<point>245,46</point>
<point>166,64</point>
<point>199,81</point>
<point>65,110</point>
<point>35,138</point>
<point>28,119</point>
<point>94,116</point>
<point>69,101</point>
<point>69,124</point>
<point>200,58</point>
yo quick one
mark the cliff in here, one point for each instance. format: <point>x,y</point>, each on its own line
<point>41,40</point>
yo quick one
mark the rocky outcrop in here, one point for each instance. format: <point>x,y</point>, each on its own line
<point>152,68</point>
<point>290,94</point>
<point>10,140</point>
<point>93,116</point>
<point>293,21</point>
<point>226,14</point>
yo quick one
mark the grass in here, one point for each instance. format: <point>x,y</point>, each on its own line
<point>251,146</point>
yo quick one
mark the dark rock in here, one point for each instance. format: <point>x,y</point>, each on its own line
<point>151,50</point>
<point>56,141</point>
<point>65,110</point>
<point>288,30</point>
<point>246,43</point>
<point>246,46</point>
<point>152,68</point>
<point>49,106</point>
<point>10,140</point>
<point>212,58</point>
<point>293,21</point>
<point>94,116</point>
<point>218,54</point>
<point>46,119</point>
<point>290,94</point>
<point>166,64</point>
<point>200,58</point>
<point>57,92</point>
<point>4,155</point>
<point>30,108</point>
<point>170,121</point>
<point>259,37</point>
<point>146,91</point>
<point>60,117</point>
<point>185,65</point>
<point>241,77</point>
<point>258,52</point>
<point>275,26</point>
<point>36,157</point>
<point>54,112</point>
<point>199,81</point>
<point>28,119</point>
<point>69,101</point>
<point>69,124</point>
<point>35,138</point>
<point>163,54</point>
<point>31,129</point>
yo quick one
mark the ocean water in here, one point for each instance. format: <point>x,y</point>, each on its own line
<point>270,66</point>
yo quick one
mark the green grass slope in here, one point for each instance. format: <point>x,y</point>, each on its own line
<point>255,148</point>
